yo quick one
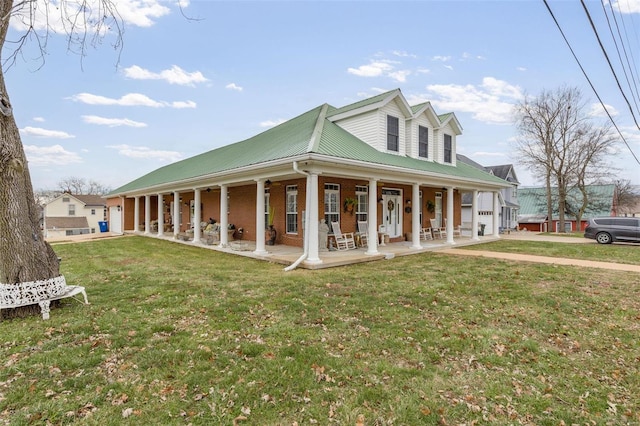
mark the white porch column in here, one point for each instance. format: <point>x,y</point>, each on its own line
<point>450,215</point>
<point>415,216</point>
<point>147,214</point>
<point>224,217</point>
<point>260,213</point>
<point>136,214</point>
<point>176,214</point>
<point>496,215</point>
<point>197,215</point>
<point>313,254</point>
<point>372,237</point>
<point>160,215</point>
<point>474,216</point>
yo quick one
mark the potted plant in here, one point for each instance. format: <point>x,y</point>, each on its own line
<point>350,204</point>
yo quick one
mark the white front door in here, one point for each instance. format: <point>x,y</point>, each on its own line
<point>392,212</point>
<point>439,221</point>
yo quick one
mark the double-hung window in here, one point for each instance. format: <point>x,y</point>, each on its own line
<point>393,133</point>
<point>331,203</point>
<point>292,209</point>
<point>363,203</point>
<point>72,209</point>
<point>448,149</point>
<point>423,142</point>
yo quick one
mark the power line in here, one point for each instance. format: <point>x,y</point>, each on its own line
<point>590,83</point>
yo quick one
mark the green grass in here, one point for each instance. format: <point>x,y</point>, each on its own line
<point>615,253</point>
<point>180,335</point>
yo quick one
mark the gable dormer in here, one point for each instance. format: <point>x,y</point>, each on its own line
<point>379,121</point>
<point>420,132</point>
<point>445,143</point>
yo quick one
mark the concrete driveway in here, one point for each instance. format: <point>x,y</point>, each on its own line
<point>530,236</point>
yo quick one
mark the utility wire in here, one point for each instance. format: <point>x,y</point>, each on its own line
<point>604,51</point>
<point>590,83</point>
<point>624,69</point>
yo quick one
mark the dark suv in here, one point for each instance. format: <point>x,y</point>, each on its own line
<point>607,230</point>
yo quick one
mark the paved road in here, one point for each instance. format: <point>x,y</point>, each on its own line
<point>530,236</point>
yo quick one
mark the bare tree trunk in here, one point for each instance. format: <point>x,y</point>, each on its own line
<point>24,255</point>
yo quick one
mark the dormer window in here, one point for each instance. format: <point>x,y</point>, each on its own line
<point>423,142</point>
<point>447,149</point>
<point>393,133</point>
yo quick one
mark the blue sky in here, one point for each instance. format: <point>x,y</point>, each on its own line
<point>229,70</point>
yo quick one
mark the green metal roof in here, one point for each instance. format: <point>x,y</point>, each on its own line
<point>533,201</point>
<point>293,138</point>
<point>364,102</point>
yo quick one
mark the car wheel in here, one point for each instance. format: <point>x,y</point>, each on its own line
<point>604,238</point>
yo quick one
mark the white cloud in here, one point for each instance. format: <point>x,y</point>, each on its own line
<point>45,133</point>
<point>404,54</point>
<point>374,69</point>
<point>627,6</point>
<point>491,102</point>
<point>596,110</point>
<point>488,154</point>
<point>233,86</point>
<point>174,75</point>
<point>381,68</point>
<point>521,69</point>
<point>130,99</point>
<point>56,15</point>
<point>400,76</point>
<point>112,122</point>
<point>441,58</point>
<point>54,155</point>
<point>38,119</point>
<point>272,123</point>
<point>449,67</point>
<point>183,104</point>
<point>146,153</point>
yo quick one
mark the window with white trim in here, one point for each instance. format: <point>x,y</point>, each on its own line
<point>331,203</point>
<point>423,142</point>
<point>267,207</point>
<point>448,148</point>
<point>363,203</point>
<point>292,209</point>
<point>393,133</point>
<point>72,209</point>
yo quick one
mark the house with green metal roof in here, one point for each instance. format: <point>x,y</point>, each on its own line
<point>378,168</point>
<point>533,207</point>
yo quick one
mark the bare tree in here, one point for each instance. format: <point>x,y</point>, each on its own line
<point>80,186</point>
<point>24,255</point>
<point>558,139</point>
<point>627,196</point>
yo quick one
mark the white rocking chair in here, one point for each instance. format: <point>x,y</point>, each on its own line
<point>438,231</point>
<point>363,232</point>
<point>343,241</point>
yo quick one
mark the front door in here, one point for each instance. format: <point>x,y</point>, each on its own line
<point>392,212</point>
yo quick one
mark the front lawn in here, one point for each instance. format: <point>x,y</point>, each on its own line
<point>181,335</point>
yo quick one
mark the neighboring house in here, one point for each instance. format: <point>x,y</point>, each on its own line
<point>70,214</point>
<point>393,158</point>
<point>631,209</point>
<point>533,207</point>
<point>507,198</point>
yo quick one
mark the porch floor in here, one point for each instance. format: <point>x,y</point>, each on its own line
<point>287,255</point>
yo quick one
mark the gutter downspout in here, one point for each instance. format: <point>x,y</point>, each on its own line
<point>305,244</point>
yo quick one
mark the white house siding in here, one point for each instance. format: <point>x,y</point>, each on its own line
<point>412,131</point>
<point>364,127</point>
<point>60,208</point>
<point>393,109</point>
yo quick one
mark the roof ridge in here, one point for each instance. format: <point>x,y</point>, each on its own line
<point>314,140</point>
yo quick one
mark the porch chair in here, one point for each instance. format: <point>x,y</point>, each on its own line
<point>425,234</point>
<point>363,232</point>
<point>438,231</point>
<point>344,241</point>
<point>457,231</point>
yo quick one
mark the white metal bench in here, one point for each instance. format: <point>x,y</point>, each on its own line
<point>40,292</point>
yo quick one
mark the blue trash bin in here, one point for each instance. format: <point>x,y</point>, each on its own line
<point>104,226</point>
